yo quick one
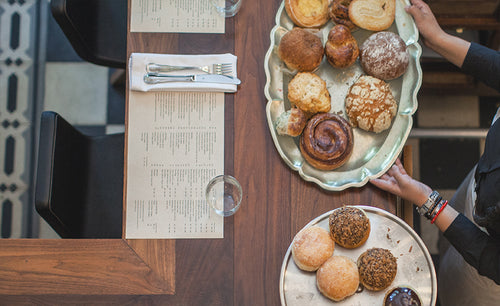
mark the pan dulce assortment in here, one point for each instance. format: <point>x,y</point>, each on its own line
<point>326,139</point>
<point>338,277</point>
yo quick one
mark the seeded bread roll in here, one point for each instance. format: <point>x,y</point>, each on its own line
<point>339,13</point>
<point>309,93</point>
<point>349,226</point>
<point>373,15</point>
<point>377,268</point>
<point>384,55</point>
<point>311,247</point>
<point>301,50</point>
<point>307,13</point>
<point>341,48</point>
<point>291,122</point>
<point>338,278</point>
<point>370,104</point>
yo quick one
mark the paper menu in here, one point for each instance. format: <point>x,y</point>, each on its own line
<point>175,16</point>
<point>175,146</point>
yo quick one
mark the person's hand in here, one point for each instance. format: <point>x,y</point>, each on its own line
<point>426,22</point>
<point>398,182</point>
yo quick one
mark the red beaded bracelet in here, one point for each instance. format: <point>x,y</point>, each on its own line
<point>439,211</point>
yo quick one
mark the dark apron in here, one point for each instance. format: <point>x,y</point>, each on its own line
<point>487,176</point>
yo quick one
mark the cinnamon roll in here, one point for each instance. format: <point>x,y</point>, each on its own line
<point>327,141</point>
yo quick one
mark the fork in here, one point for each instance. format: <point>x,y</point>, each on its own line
<point>223,68</point>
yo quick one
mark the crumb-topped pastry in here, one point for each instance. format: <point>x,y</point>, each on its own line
<point>377,268</point>
<point>349,226</point>
<point>370,104</point>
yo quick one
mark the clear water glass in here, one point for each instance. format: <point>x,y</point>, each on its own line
<point>223,194</point>
<point>227,8</point>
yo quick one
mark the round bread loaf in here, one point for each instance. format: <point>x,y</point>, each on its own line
<point>377,268</point>
<point>370,104</point>
<point>327,141</point>
<point>338,278</point>
<point>341,48</point>
<point>291,122</point>
<point>308,13</point>
<point>301,50</point>
<point>311,247</point>
<point>339,13</point>
<point>373,15</point>
<point>309,93</point>
<point>384,55</point>
<point>349,226</point>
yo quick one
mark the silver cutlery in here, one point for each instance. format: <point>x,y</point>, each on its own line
<point>222,68</point>
<point>203,78</point>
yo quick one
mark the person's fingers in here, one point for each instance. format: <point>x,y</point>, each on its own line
<point>400,166</point>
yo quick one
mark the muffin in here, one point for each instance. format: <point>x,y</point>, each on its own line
<point>309,93</point>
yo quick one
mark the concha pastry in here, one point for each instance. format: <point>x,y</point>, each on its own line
<point>370,104</point>
<point>377,268</point>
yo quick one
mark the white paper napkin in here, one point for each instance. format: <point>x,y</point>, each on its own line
<point>138,62</point>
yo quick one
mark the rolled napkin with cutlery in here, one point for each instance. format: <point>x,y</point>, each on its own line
<point>177,72</point>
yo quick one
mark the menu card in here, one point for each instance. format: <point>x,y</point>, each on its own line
<point>175,146</point>
<point>175,16</point>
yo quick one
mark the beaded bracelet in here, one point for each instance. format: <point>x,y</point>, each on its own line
<point>439,211</point>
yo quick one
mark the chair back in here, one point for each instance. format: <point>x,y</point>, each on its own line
<point>96,29</point>
<point>79,181</point>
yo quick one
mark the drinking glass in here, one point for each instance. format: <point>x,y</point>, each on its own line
<point>223,194</point>
<point>227,8</point>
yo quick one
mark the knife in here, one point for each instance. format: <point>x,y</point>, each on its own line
<point>154,78</point>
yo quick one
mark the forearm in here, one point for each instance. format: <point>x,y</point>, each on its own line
<point>452,48</point>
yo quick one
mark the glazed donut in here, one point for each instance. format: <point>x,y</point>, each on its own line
<point>327,141</point>
<point>339,13</point>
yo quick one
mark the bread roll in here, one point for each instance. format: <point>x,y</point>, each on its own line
<point>384,55</point>
<point>307,13</point>
<point>291,122</point>
<point>373,15</point>
<point>301,50</point>
<point>339,13</point>
<point>311,247</point>
<point>370,104</point>
<point>327,141</point>
<point>377,268</point>
<point>341,48</point>
<point>338,278</point>
<point>349,226</point>
<point>309,93</point>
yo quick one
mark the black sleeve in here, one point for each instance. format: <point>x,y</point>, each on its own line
<point>479,249</point>
<point>484,64</point>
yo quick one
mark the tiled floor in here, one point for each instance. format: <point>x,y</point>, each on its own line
<point>50,76</point>
<point>39,71</point>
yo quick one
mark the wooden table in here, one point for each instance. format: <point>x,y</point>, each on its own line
<point>241,269</point>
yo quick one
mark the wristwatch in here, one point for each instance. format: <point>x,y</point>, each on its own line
<point>424,209</point>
